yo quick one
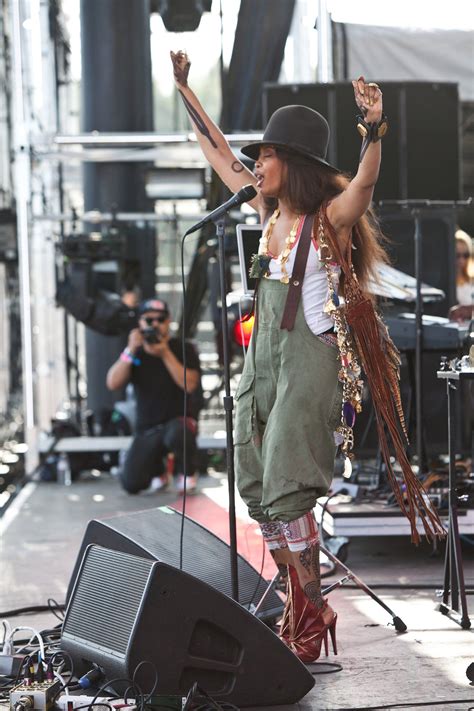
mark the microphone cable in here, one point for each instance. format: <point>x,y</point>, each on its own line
<point>185,384</point>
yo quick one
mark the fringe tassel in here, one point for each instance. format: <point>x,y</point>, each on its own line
<point>372,347</point>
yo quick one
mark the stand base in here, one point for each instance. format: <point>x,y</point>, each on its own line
<point>454,615</point>
<point>398,623</point>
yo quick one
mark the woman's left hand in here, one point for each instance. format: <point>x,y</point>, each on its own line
<point>368,98</point>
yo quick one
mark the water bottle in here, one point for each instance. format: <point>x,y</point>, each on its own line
<point>63,470</point>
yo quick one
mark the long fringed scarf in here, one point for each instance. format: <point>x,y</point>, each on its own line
<point>380,360</point>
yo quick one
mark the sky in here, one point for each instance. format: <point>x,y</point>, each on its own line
<point>203,45</point>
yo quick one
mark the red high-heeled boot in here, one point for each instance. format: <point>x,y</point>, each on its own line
<point>303,627</point>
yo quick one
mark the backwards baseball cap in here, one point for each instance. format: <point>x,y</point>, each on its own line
<point>153,305</point>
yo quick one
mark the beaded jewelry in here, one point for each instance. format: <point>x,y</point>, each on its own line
<point>261,261</point>
<point>350,372</point>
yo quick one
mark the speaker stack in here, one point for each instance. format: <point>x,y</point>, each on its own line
<point>421,151</point>
<point>128,602</point>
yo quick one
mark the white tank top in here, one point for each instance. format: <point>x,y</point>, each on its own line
<point>315,285</point>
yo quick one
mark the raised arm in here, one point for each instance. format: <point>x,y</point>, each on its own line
<point>349,206</point>
<point>211,139</point>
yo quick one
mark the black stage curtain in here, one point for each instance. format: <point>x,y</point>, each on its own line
<point>259,45</point>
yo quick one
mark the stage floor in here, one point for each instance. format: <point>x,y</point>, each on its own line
<point>42,531</point>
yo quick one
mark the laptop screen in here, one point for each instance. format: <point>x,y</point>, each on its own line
<point>248,237</point>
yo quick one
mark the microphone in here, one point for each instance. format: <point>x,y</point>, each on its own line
<point>245,194</point>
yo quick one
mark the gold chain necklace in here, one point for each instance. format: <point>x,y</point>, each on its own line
<point>289,242</point>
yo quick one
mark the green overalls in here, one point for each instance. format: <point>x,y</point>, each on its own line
<point>288,405</point>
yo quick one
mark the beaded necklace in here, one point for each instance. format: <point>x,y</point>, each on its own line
<point>286,251</point>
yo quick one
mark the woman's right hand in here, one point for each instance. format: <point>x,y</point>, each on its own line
<point>181,67</point>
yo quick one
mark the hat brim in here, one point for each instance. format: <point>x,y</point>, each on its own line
<point>251,150</point>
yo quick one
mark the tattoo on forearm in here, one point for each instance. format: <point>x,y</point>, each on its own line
<point>237,166</point>
<point>196,118</point>
<point>283,570</point>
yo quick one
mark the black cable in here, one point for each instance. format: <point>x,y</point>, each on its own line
<point>53,606</point>
<point>183,345</point>
<point>260,575</point>
<point>114,681</point>
<point>65,655</point>
<point>50,669</point>
<point>404,706</point>
<point>17,678</point>
<point>193,696</point>
<point>155,683</point>
<point>27,610</point>
<point>334,668</point>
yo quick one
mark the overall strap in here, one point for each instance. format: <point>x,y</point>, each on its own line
<point>296,281</point>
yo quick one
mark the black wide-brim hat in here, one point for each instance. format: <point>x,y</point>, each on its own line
<point>296,128</point>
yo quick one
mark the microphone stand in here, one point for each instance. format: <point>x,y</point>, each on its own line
<point>228,407</point>
<point>417,237</point>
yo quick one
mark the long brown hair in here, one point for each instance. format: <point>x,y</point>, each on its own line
<point>307,185</point>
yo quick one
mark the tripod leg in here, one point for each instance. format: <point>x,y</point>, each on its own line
<point>458,573</point>
<point>399,625</point>
<point>454,585</point>
<point>447,567</point>
<point>269,587</point>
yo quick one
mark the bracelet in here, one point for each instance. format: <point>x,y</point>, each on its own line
<point>371,132</point>
<point>126,356</point>
<point>374,131</point>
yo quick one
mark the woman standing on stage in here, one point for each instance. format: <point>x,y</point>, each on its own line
<point>290,393</point>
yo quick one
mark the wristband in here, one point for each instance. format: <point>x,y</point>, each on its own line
<point>373,131</point>
<point>126,356</point>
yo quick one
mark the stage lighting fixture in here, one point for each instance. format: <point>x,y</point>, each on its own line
<point>175,184</point>
<point>94,246</point>
<point>181,15</point>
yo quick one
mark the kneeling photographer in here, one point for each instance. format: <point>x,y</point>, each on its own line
<point>152,362</point>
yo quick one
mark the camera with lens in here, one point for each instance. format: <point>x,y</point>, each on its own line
<point>150,335</point>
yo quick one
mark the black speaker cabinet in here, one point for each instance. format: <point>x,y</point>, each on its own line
<point>155,534</point>
<point>125,610</point>
<point>421,151</point>
<point>435,422</point>
<point>438,268</point>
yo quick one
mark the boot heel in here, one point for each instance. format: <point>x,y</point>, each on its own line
<point>326,645</point>
<point>332,632</point>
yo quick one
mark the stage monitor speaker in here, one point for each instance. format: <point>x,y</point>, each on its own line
<point>155,534</point>
<point>125,610</point>
<point>421,151</point>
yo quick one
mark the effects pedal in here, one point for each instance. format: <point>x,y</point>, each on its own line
<point>37,696</point>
